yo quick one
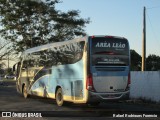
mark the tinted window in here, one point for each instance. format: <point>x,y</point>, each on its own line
<point>109,51</point>
<point>66,54</point>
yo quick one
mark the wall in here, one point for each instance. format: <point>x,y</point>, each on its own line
<point>145,85</point>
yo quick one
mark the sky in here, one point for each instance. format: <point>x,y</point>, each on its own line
<point>122,18</point>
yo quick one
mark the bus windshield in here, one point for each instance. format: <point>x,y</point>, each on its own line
<point>109,51</point>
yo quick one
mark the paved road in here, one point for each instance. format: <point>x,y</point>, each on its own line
<point>10,100</point>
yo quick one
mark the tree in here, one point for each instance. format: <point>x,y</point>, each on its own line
<point>28,23</point>
<point>6,52</point>
<point>153,63</point>
<point>135,61</point>
<point>2,64</point>
<point>5,49</point>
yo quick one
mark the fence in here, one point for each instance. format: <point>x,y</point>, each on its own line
<point>145,85</point>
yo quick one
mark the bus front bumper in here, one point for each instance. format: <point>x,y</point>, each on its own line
<point>102,97</point>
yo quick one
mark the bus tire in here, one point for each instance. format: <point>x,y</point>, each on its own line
<point>25,93</point>
<point>59,97</point>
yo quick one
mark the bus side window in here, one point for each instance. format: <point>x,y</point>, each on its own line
<point>24,67</point>
<point>14,68</point>
<point>18,68</point>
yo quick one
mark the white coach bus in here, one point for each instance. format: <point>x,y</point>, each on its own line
<point>91,69</point>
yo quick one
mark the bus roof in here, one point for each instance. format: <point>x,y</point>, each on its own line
<point>107,36</point>
<point>51,45</point>
<point>57,44</point>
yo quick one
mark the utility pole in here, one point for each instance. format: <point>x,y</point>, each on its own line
<point>144,41</point>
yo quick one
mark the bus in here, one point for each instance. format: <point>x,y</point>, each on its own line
<point>90,70</point>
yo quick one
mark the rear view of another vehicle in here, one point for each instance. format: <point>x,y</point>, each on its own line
<point>9,76</point>
<point>109,70</point>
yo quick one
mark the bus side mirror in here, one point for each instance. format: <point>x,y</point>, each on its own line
<point>14,67</point>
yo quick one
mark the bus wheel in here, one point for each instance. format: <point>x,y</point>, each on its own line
<point>59,97</point>
<point>25,94</point>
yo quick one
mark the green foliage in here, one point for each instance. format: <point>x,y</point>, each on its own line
<point>5,49</point>
<point>153,63</point>
<point>135,61</point>
<point>28,23</point>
